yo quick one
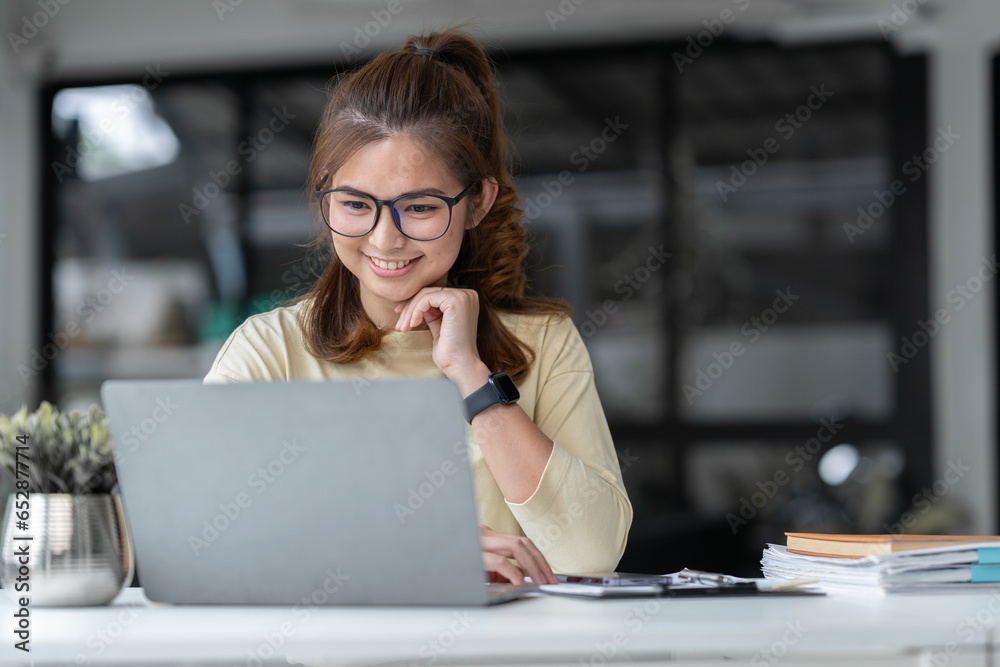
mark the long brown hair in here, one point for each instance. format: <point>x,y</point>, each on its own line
<point>445,98</point>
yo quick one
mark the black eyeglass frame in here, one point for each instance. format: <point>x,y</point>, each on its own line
<point>379,203</point>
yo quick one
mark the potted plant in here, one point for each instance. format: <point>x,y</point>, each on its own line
<point>61,515</point>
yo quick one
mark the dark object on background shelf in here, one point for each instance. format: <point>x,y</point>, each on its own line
<point>681,540</point>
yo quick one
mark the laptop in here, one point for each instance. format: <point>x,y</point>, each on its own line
<point>326,493</point>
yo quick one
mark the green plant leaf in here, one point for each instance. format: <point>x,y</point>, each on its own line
<point>68,452</point>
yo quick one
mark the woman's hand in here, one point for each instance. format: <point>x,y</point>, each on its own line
<point>452,315</point>
<point>498,547</point>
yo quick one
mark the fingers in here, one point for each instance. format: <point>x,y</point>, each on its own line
<point>520,548</point>
<point>495,563</point>
<point>416,312</point>
<point>424,305</point>
<point>430,303</point>
<point>531,559</point>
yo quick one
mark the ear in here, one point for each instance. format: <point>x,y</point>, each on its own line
<point>483,202</point>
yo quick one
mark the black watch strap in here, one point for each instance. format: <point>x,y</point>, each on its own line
<point>499,388</point>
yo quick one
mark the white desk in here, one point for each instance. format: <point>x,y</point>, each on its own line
<point>949,630</point>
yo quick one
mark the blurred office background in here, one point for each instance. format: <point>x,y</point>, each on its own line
<point>774,220</point>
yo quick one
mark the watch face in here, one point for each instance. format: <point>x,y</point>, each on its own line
<point>505,387</point>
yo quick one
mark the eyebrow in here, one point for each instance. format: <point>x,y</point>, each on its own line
<point>422,191</point>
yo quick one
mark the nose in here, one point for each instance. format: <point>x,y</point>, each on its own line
<point>386,235</point>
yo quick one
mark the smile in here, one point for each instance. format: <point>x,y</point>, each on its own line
<point>395,269</point>
<point>391,266</point>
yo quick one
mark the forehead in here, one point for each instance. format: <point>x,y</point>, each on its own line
<point>393,166</point>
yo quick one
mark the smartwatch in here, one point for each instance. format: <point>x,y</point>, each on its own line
<point>499,388</point>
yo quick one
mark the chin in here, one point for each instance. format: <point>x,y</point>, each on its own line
<point>397,295</point>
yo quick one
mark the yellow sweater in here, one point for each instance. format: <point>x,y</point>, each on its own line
<point>578,516</point>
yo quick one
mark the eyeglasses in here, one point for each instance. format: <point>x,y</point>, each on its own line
<point>420,217</point>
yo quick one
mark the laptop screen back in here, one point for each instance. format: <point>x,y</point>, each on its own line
<point>267,493</point>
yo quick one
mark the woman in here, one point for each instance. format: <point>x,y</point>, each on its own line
<point>413,182</point>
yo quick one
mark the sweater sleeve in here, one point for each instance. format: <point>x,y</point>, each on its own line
<point>580,514</point>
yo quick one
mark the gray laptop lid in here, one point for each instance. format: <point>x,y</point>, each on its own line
<point>299,492</point>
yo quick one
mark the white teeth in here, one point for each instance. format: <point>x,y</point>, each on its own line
<point>391,266</point>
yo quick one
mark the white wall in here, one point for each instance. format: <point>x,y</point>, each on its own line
<point>18,227</point>
<point>961,235</point>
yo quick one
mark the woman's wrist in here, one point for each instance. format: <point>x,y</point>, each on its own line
<point>469,377</point>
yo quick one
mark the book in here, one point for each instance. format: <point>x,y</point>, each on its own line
<point>859,546</point>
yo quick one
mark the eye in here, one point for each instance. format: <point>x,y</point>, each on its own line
<point>352,202</point>
<point>419,206</point>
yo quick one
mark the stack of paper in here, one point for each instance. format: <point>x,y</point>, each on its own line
<point>957,564</point>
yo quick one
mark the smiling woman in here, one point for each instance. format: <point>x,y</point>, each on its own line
<point>413,183</point>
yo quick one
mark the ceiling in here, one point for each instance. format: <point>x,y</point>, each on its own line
<point>92,38</point>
